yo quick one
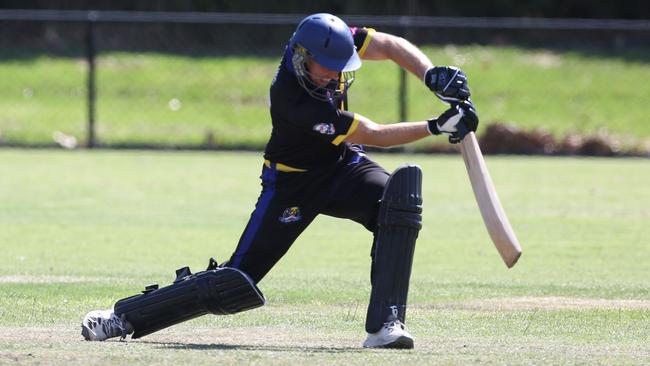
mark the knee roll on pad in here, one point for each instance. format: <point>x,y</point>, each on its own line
<point>218,291</point>
<point>398,225</point>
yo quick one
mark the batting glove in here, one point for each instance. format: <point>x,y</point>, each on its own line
<point>457,122</point>
<point>448,83</point>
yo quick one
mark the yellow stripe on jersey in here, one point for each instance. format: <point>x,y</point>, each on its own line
<point>283,168</point>
<point>353,127</point>
<point>366,41</point>
<point>341,86</point>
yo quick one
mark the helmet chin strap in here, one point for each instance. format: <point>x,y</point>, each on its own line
<point>333,90</point>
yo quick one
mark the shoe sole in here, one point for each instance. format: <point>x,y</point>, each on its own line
<point>399,343</point>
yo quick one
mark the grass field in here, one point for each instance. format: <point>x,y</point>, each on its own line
<point>79,230</point>
<point>177,99</point>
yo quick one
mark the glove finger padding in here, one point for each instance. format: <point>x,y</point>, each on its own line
<point>448,100</point>
<point>469,122</point>
<point>470,117</point>
<point>454,139</point>
<point>459,135</point>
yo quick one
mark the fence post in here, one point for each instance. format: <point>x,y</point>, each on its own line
<point>90,82</point>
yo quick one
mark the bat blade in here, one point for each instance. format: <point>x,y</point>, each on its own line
<point>494,217</point>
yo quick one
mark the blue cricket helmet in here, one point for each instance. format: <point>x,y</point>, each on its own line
<point>326,39</point>
<point>329,41</point>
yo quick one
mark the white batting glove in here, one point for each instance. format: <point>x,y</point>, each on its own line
<point>447,121</point>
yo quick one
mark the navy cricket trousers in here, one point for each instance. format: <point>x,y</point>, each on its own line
<point>290,201</point>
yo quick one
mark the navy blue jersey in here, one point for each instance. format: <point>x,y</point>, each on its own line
<point>308,133</point>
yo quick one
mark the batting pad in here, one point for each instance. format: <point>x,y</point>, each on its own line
<point>398,225</point>
<point>218,291</point>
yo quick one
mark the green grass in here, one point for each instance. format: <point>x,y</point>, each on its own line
<point>227,97</point>
<point>79,230</point>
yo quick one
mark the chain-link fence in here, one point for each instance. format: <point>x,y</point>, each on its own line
<point>201,80</point>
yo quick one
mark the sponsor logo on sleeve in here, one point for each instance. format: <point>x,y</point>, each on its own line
<point>325,128</point>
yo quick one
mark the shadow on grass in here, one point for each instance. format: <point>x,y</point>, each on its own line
<point>249,347</point>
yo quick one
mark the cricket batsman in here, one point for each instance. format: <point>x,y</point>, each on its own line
<point>314,163</point>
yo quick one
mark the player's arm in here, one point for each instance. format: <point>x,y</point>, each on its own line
<point>456,122</point>
<point>384,46</point>
<point>449,83</point>
<point>368,132</point>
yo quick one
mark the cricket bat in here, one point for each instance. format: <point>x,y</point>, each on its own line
<point>495,218</point>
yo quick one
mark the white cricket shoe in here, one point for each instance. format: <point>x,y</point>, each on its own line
<point>100,325</point>
<point>392,335</point>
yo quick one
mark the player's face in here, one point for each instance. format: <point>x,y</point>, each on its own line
<point>321,75</point>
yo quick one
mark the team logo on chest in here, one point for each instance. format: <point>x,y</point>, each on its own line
<point>325,128</point>
<point>291,214</point>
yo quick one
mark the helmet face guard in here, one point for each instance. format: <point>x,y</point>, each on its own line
<point>335,89</point>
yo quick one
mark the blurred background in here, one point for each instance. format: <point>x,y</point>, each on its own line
<point>548,76</point>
